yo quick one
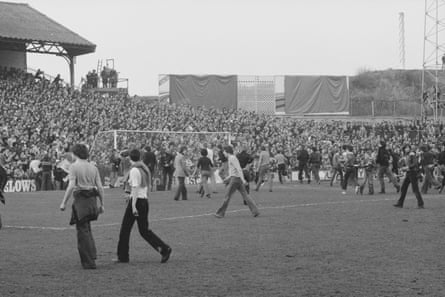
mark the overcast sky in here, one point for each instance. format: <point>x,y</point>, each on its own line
<point>250,37</point>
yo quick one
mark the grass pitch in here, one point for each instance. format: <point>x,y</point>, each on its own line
<point>308,241</point>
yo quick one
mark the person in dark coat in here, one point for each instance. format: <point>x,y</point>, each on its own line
<point>383,160</point>
<point>149,159</point>
<point>3,181</point>
<point>303,159</point>
<point>428,162</point>
<point>441,164</point>
<point>411,166</point>
<point>85,186</point>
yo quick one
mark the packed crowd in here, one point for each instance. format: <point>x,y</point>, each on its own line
<point>41,119</point>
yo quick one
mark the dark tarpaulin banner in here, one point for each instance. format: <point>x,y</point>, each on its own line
<point>209,90</point>
<point>316,94</point>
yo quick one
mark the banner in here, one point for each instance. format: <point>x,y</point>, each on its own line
<point>208,90</point>
<point>316,94</point>
<point>20,185</point>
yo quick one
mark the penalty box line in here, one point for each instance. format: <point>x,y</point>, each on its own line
<point>211,214</point>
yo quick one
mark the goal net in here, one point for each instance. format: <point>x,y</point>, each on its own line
<point>106,141</point>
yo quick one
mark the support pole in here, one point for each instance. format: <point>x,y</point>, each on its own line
<point>71,64</point>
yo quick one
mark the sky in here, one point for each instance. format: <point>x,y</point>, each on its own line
<point>243,37</point>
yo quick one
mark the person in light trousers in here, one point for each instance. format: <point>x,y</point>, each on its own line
<point>236,182</point>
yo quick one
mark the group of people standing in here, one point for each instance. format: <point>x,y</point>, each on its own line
<point>414,164</point>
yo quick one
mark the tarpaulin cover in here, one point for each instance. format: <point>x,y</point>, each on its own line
<point>316,94</point>
<point>209,90</point>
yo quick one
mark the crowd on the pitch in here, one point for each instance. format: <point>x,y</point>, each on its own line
<point>42,119</point>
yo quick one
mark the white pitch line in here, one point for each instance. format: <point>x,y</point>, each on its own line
<point>211,214</point>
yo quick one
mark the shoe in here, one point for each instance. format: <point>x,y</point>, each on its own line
<point>256,214</point>
<point>420,207</point>
<point>176,199</point>
<point>166,255</point>
<point>218,216</point>
<point>398,205</point>
<point>89,267</point>
<point>343,192</point>
<point>382,192</point>
<point>208,196</point>
<point>398,189</point>
<point>118,261</point>
<point>270,190</point>
<point>85,266</point>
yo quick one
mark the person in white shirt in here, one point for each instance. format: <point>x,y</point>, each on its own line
<point>36,172</point>
<point>137,210</point>
<point>236,181</point>
<point>210,155</point>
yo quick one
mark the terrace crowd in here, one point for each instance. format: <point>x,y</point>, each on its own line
<point>42,119</point>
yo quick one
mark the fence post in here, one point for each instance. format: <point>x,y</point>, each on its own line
<point>372,108</point>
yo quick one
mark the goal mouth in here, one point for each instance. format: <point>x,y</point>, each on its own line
<point>107,143</point>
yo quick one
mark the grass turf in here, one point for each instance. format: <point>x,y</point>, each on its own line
<point>308,241</point>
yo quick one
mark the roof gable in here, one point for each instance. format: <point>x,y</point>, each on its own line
<point>21,22</point>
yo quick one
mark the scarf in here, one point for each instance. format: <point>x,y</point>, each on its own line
<point>145,174</point>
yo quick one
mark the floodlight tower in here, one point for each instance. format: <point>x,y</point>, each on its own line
<point>402,39</point>
<point>433,75</point>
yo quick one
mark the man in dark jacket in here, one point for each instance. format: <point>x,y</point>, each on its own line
<point>441,163</point>
<point>245,159</point>
<point>149,159</point>
<point>303,158</point>
<point>383,160</point>
<point>3,180</point>
<point>166,163</point>
<point>315,164</point>
<point>427,162</point>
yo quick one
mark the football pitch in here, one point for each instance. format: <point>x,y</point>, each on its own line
<point>310,240</point>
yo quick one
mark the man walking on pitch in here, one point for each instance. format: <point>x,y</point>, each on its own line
<point>137,210</point>
<point>264,169</point>
<point>181,172</point>
<point>3,180</point>
<point>236,182</point>
<point>383,158</point>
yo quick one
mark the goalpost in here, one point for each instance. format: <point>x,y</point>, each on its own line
<point>105,141</point>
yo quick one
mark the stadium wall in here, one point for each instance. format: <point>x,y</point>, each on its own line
<point>13,59</point>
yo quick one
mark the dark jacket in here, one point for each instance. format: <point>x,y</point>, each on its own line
<point>302,156</point>
<point>383,157</point>
<point>315,158</point>
<point>441,158</point>
<point>84,206</point>
<point>149,159</point>
<point>244,158</point>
